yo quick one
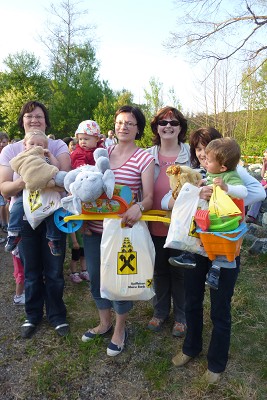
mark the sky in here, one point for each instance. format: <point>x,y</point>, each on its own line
<point>129,46</point>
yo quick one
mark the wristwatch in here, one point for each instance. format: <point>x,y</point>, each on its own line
<point>142,208</point>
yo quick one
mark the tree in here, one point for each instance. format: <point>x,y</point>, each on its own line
<point>22,81</point>
<point>74,69</point>
<point>221,29</point>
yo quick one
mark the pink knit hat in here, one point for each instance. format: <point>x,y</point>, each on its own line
<point>88,127</point>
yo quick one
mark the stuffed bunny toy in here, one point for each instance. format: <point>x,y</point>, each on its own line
<point>87,183</point>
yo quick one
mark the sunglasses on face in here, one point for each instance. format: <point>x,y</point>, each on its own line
<point>163,122</point>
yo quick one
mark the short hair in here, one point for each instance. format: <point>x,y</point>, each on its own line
<point>4,135</point>
<point>30,134</point>
<point>28,108</point>
<point>139,116</point>
<point>170,112</point>
<point>51,136</point>
<point>226,151</point>
<point>203,136</point>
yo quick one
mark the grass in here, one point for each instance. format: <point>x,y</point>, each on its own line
<point>67,368</point>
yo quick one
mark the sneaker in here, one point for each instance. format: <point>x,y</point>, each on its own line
<point>12,242</point>
<point>114,349</point>
<point>251,220</point>
<point>84,276</point>
<point>75,278</point>
<point>2,240</point>
<point>179,329</point>
<point>55,247</point>
<point>181,359</point>
<point>19,300</point>
<point>210,377</point>
<point>213,276</point>
<point>186,260</point>
<point>155,324</point>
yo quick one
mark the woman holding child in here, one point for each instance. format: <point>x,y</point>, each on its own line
<point>44,281</point>
<point>195,278</point>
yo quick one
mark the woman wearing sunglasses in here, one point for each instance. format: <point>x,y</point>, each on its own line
<point>169,127</point>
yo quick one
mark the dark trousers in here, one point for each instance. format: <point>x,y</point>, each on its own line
<point>220,312</point>
<point>44,280</point>
<point>168,283</point>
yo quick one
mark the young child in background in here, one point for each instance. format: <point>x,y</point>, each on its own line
<point>32,139</point>
<point>254,209</point>
<point>19,298</point>
<point>77,255</point>
<point>4,139</point>
<point>221,159</point>
<point>89,139</point>
<point>71,143</point>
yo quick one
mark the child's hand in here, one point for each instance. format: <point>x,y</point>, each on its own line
<point>76,245</point>
<point>219,182</point>
<point>47,153</point>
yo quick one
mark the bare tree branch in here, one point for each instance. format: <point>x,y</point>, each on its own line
<point>210,30</point>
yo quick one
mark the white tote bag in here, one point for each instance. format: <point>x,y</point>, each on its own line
<point>127,261</point>
<point>181,233</point>
<point>40,204</point>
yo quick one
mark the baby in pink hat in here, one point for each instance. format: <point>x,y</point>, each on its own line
<point>89,138</point>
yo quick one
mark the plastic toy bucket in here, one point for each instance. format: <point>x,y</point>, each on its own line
<point>223,243</point>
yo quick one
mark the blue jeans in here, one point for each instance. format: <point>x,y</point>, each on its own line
<point>220,312</point>
<point>168,283</point>
<point>44,280</point>
<point>92,257</point>
<point>16,221</point>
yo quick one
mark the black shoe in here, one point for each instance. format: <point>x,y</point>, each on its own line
<point>62,330</point>
<point>4,228</point>
<point>27,330</point>
<point>186,260</point>
<point>213,277</point>
<point>55,247</point>
<point>12,242</point>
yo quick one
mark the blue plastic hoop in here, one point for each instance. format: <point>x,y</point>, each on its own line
<point>66,227</point>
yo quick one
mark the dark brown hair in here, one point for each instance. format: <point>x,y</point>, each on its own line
<point>203,136</point>
<point>28,108</point>
<point>139,116</point>
<point>172,113</point>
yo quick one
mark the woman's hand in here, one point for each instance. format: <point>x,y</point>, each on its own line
<point>206,193</point>
<point>131,216</point>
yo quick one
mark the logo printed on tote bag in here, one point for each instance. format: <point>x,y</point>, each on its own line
<point>34,200</point>
<point>127,259</point>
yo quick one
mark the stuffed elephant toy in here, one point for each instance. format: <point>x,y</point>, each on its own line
<point>87,183</point>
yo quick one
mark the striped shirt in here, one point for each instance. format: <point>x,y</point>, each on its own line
<point>130,174</point>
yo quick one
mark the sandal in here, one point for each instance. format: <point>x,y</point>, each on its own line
<point>179,329</point>
<point>155,324</point>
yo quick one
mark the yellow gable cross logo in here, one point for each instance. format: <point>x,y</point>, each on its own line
<point>127,259</point>
<point>34,200</point>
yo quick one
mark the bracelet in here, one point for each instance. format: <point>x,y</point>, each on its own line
<point>140,205</point>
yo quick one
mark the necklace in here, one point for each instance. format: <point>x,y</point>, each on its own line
<point>166,163</point>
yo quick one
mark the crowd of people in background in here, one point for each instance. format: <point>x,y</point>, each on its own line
<point>179,292</point>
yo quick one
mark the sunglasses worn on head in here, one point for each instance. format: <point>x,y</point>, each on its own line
<point>163,122</point>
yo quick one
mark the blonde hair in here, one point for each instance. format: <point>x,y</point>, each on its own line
<point>29,135</point>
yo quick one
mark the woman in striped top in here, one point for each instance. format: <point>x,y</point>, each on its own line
<point>134,167</point>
